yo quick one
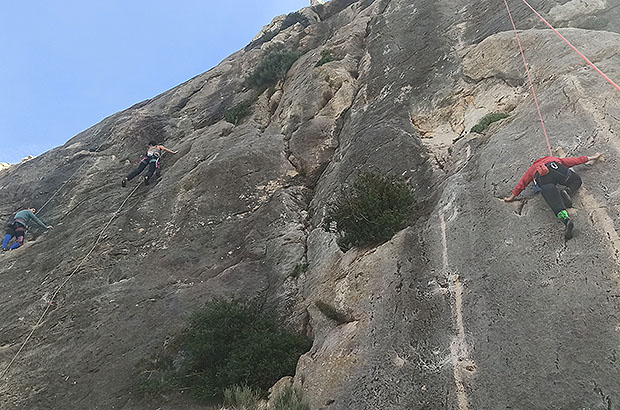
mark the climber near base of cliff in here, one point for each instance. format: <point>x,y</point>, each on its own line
<point>549,172</point>
<point>17,228</point>
<point>151,159</point>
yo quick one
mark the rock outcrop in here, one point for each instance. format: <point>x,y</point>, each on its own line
<point>478,304</point>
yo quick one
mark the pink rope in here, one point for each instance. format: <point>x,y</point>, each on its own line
<point>572,46</point>
<point>529,78</point>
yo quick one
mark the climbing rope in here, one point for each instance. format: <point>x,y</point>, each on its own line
<point>573,47</point>
<point>6,370</point>
<point>528,71</point>
<point>529,77</point>
<point>67,181</point>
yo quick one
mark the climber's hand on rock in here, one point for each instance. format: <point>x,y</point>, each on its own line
<point>595,157</point>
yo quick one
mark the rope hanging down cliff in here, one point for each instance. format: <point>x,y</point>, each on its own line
<point>6,370</point>
<point>69,179</point>
<point>529,77</point>
<point>528,71</point>
<point>573,47</point>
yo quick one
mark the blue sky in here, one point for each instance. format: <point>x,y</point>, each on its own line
<point>68,64</point>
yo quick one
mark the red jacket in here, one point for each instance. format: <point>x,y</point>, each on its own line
<point>529,174</point>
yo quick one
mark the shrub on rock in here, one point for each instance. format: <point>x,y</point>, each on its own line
<point>371,211</point>
<point>326,57</point>
<point>488,120</point>
<point>239,111</point>
<point>272,68</point>
<point>228,343</point>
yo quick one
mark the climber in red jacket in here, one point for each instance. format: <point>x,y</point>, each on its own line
<point>549,172</point>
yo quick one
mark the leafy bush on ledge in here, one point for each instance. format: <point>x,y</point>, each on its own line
<point>326,57</point>
<point>272,68</point>
<point>371,211</point>
<point>228,343</point>
<point>239,111</point>
<point>488,120</point>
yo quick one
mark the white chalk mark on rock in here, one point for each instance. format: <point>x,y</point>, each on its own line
<point>459,352</point>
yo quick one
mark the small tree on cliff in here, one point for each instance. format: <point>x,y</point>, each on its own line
<point>228,343</point>
<point>371,211</point>
<point>272,68</point>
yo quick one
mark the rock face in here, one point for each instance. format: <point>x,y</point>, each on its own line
<point>478,304</point>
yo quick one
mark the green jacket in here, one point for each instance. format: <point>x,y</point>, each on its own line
<point>27,216</point>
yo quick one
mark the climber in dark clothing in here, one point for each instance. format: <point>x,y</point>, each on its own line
<point>549,172</point>
<point>17,228</point>
<point>151,159</point>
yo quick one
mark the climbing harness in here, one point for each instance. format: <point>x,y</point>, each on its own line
<point>157,159</point>
<point>6,370</point>
<point>151,159</point>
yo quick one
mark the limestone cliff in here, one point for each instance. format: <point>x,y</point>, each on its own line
<point>478,304</point>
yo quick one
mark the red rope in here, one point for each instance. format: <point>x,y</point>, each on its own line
<point>529,77</point>
<point>572,46</point>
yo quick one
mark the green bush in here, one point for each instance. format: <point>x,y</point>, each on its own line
<point>272,69</point>
<point>332,313</point>
<point>488,120</point>
<point>371,211</point>
<point>288,399</point>
<point>326,57</point>
<point>294,18</point>
<point>239,111</point>
<point>242,397</point>
<point>231,343</point>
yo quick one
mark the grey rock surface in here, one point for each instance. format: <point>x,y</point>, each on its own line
<point>477,304</point>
